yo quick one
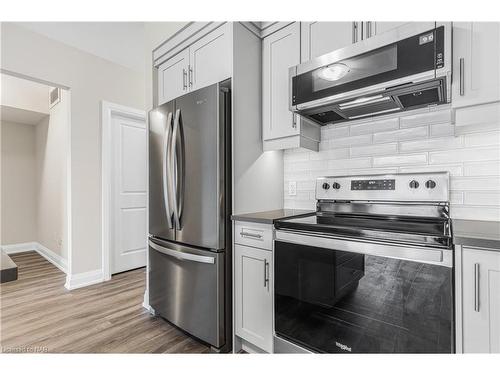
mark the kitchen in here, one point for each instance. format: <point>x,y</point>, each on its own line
<point>367,194</point>
<point>311,187</point>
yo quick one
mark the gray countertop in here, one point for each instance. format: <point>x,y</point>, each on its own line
<point>476,233</point>
<point>465,232</point>
<point>268,217</point>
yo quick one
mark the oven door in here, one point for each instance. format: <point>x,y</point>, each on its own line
<point>336,299</point>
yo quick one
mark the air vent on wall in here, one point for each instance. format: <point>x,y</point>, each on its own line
<point>54,96</point>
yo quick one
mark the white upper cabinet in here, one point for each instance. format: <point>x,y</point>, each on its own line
<point>376,28</point>
<point>210,58</point>
<point>173,77</point>
<point>319,38</point>
<point>281,51</point>
<point>481,300</point>
<point>203,63</point>
<point>476,63</point>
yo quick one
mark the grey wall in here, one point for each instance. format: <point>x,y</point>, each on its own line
<point>18,183</point>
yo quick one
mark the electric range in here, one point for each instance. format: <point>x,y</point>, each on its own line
<point>371,271</point>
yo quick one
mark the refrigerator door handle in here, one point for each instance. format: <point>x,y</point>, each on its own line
<point>182,255</point>
<point>166,172</point>
<point>178,168</point>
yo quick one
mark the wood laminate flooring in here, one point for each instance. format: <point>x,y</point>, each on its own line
<point>37,314</point>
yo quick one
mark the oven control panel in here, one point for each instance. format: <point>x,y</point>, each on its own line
<point>424,187</point>
<point>385,184</point>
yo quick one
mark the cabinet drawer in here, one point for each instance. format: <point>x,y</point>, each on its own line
<point>253,234</point>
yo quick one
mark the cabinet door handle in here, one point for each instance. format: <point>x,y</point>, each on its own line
<point>354,32</point>
<point>251,235</point>
<point>462,78</point>
<point>476,287</point>
<point>190,76</point>
<point>294,121</point>
<point>266,273</point>
<point>369,29</point>
<point>184,79</point>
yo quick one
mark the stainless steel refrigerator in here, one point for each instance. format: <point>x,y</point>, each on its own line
<point>189,208</point>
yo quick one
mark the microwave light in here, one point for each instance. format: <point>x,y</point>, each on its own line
<point>334,72</point>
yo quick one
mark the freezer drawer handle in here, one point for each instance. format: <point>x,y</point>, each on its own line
<point>251,235</point>
<point>180,255</point>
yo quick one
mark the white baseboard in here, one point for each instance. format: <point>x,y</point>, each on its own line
<point>19,247</point>
<point>82,279</point>
<point>145,301</point>
<point>52,257</point>
<point>48,254</point>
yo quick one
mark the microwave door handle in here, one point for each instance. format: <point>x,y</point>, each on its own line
<point>166,170</point>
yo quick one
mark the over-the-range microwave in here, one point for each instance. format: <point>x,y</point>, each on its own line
<point>406,68</point>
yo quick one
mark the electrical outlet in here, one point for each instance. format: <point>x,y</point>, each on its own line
<point>292,187</point>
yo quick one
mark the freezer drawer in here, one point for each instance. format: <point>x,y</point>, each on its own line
<point>186,287</point>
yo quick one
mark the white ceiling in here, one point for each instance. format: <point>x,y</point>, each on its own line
<point>119,42</point>
<point>20,116</point>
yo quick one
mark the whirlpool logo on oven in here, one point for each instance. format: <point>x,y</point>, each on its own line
<point>343,346</point>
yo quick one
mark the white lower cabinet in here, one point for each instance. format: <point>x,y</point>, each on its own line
<point>253,296</point>
<point>480,300</point>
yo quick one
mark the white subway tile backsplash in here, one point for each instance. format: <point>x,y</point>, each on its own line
<point>490,168</point>
<point>453,169</point>
<point>334,131</point>
<point>431,144</point>
<point>401,135</point>
<point>456,197</point>
<point>479,114</point>
<point>311,165</point>
<point>349,163</point>
<point>397,160</point>
<point>375,126</point>
<point>351,141</point>
<point>482,139</point>
<point>475,212</point>
<point>426,118</point>
<point>475,183</point>
<point>369,150</point>
<point>417,141</point>
<point>339,153</point>
<point>490,198</point>
<point>441,130</point>
<point>293,157</point>
<point>462,155</point>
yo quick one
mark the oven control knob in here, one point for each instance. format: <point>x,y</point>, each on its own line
<point>414,184</point>
<point>336,185</point>
<point>430,184</point>
<point>326,186</point>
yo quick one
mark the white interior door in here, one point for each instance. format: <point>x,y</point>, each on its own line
<point>129,193</point>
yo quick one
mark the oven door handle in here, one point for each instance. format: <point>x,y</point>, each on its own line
<point>442,257</point>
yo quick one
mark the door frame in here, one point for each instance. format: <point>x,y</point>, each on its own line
<point>109,109</point>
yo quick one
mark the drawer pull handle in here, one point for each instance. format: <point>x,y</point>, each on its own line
<point>251,235</point>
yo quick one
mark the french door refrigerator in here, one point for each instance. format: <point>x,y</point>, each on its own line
<point>189,208</point>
